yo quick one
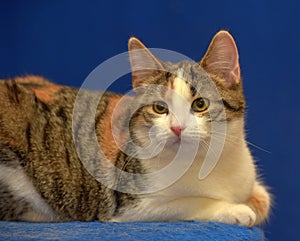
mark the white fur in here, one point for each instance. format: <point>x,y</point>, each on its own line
<point>22,188</point>
<point>220,196</point>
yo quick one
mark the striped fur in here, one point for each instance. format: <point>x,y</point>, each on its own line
<point>43,144</point>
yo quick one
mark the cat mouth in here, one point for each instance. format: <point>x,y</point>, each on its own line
<point>177,141</point>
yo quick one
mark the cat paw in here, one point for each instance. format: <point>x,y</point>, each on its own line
<point>240,214</point>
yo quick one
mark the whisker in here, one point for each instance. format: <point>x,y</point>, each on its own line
<point>231,137</point>
<point>258,147</point>
<point>159,136</point>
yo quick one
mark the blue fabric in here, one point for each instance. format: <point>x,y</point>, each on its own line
<point>127,231</point>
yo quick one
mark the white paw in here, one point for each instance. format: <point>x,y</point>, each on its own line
<point>237,214</point>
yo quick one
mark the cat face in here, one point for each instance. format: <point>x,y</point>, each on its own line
<point>171,111</point>
<point>177,103</point>
<point>180,114</point>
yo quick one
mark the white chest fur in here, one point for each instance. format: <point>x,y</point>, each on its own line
<point>231,181</point>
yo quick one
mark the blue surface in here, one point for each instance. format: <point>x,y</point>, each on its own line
<point>65,40</point>
<point>127,231</point>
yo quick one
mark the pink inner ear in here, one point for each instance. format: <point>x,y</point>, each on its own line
<point>222,59</point>
<point>143,63</point>
<point>236,74</point>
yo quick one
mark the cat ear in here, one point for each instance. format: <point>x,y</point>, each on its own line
<point>144,64</point>
<point>222,59</point>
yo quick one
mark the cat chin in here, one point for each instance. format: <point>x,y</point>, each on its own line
<point>175,143</point>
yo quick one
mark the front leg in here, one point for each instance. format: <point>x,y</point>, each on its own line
<point>153,208</point>
<point>253,212</point>
<point>224,212</point>
<point>190,208</point>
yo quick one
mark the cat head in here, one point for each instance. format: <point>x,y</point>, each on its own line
<point>176,102</point>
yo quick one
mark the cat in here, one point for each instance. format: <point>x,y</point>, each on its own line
<point>43,176</point>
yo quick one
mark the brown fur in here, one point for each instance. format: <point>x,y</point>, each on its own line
<point>43,142</point>
<point>39,128</point>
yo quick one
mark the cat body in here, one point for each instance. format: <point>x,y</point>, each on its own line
<point>45,139</point>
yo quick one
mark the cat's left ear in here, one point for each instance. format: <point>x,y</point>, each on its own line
<point>144,64</point>
<point>222,59</point>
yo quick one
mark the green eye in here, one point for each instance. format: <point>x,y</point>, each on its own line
<point>200,105</point>
<point>160,107</point>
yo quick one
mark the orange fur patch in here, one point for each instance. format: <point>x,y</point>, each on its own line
<point>47,93</point>
<point>32,79</point>
<point>45,90</point>
<point>107,142</point>
<point>260,204</point>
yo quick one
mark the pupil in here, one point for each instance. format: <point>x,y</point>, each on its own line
<point>200,103</point>
<point>161,107</point>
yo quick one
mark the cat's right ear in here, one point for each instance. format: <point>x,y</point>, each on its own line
<point>144,64</point>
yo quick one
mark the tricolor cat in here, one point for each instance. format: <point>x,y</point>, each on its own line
<point>43,177</point>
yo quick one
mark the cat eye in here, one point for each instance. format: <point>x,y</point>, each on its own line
<point>160,107</point>
<point>200,105</point>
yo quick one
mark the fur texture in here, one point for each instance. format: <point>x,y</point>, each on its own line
<point>43,177</point>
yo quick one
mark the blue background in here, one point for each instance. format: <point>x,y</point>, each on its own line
<point>65,40</point>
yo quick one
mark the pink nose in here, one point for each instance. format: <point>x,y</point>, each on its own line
<point>177,130</point>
